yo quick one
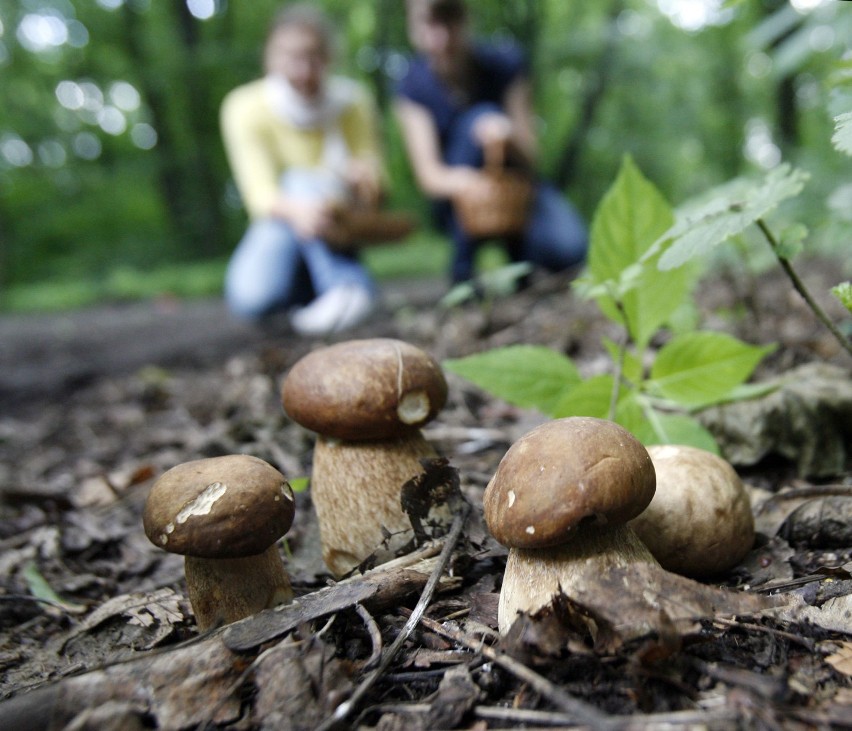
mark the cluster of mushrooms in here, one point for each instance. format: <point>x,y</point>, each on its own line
<point>571,494</point>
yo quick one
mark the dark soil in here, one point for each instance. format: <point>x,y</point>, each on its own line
<point>94,405</point>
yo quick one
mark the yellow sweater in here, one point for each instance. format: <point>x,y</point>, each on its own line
<point>261,146</point>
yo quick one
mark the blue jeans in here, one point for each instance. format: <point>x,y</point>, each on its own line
<point>273,269</point>
<point>555,236</point>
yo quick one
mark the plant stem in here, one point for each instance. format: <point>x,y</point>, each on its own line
<point>802,289</point>
<point>619,365</point>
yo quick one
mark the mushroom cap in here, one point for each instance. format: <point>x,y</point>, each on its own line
<point>357,390</point>
<point>700,521</point>
<point>221,507</point>
<point>562,473</point>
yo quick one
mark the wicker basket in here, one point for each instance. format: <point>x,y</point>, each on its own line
<point>355,227</point>
<point>498,204</point>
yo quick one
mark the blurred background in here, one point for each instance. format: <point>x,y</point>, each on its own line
<point>113,180</point>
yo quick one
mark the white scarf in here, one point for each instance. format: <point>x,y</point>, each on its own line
<point>323,113</point>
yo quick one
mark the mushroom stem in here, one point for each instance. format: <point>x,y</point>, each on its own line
<point>223,590</point>
<point>535,575</point>
<point>355,489</point>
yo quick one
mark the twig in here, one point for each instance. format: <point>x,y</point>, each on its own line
<point>344,709</point>
<point>375,635</point>
<point>579,710</point>
<point>845,343</point>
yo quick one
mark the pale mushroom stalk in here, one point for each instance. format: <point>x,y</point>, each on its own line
<point>224,590</point>
<point>363,479</point>
<point>534,576</point>
<point>559,501</point>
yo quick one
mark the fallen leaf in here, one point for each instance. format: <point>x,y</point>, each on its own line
<point>457,694</point>
<point>841,660</point>
<point>299,683</point>
<point>40,589</point>
<point>835,615</point>
<point>645,600</point>
<point>143,609</point>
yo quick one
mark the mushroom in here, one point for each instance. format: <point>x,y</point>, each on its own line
<point>700,522</point>
<point>560,501</point>
<point>225,515</point>
<point>366,400</point>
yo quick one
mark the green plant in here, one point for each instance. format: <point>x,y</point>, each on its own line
<point>654,393</point>
<point>736,206</point>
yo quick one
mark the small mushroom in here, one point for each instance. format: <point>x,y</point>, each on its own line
<point>560,501</point>
<point>700,522</point>
<point>366,400</point>
<point>225,516</point>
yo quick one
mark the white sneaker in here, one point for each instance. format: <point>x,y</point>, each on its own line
<point>342,307</point>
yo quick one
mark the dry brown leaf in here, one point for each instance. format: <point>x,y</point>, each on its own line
<point>299,683</point>
<point>835,615</point>
<point>645,599</point>
<point>841,660</point>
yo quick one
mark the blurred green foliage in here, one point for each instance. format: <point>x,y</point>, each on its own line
<point>113,176</point>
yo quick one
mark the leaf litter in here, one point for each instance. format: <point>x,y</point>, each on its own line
<point>767,645</point>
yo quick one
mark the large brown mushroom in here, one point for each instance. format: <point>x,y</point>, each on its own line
<point>700,522</point>
<point>366,400</point>
<point>225,515</point>
<point>560,501</point>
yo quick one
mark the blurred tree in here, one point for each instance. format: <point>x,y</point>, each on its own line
<point>110,154</point>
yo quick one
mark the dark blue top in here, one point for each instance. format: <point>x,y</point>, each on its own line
<point>494,70</point>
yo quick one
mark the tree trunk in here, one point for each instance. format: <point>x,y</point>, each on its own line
<point>567,164</point>
<point>188,186</point>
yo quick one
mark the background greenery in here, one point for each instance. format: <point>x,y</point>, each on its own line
<point>113,181</point>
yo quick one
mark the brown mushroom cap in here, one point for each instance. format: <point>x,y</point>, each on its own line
<point>562,473</point>
<point>700,521</point>
<point>222,507</point>
<point>364,389</point>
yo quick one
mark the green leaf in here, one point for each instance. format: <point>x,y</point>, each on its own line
<point>631,366</point>
<point>631,217</point>
<point>531,376</point>
<point>299,484</point>
<point>791,242</point>
<point>663,428</point>
<point>40,589</point>
<point>702,368</point>
<point>592,397</point>
<point>843,292</point>
<point>842,138</point>
<point>731,210</point>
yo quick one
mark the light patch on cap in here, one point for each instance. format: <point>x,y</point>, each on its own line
<point>167,531</point>
<point>286,491</point>
<point>203,504</point>
<point>413,407</point>
<point>511,498</point>
<point>531,529</point>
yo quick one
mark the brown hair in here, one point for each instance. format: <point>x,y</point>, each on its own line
<point>446,12</point>
<point>308,16</point>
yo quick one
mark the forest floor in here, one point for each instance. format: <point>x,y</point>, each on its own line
<point>96,631</point>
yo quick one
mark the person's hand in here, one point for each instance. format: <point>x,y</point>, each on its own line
<point>492,128</point>
<point>364,180</point>
<point>310,219</point>
<point>460,178</point>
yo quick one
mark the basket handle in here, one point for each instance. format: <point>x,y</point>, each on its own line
<point>494,153</point>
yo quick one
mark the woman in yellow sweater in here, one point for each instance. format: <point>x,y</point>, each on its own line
<point>300,142</point>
